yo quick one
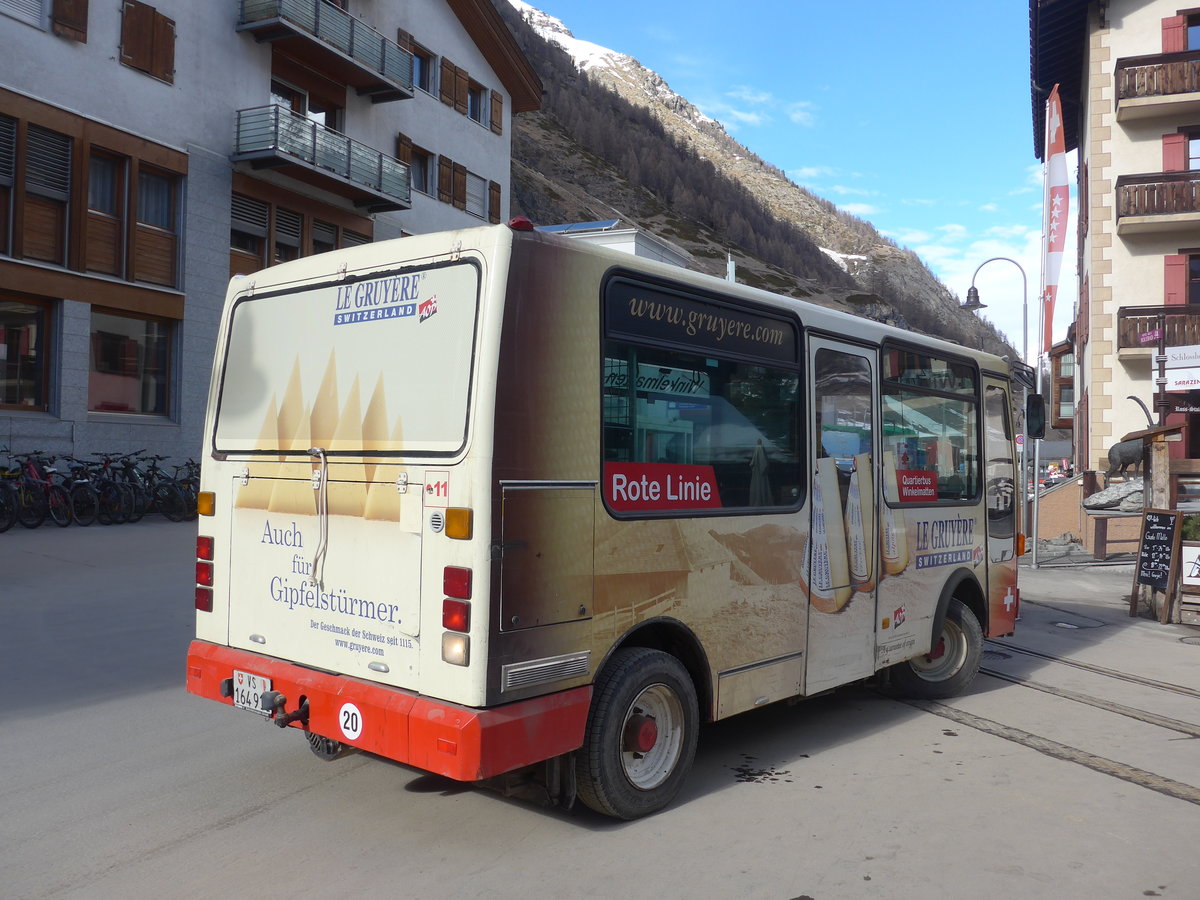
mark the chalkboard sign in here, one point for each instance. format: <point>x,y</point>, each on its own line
<point>1158,552</point>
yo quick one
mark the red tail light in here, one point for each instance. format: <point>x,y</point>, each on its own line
<point>456,615</point>
<point>205,551</point>
<point>456,582</point>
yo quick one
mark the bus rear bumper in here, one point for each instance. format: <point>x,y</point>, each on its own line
<point>459,742</point>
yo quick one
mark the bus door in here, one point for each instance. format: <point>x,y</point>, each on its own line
<point>842,551</point>
<point>1001,494</point>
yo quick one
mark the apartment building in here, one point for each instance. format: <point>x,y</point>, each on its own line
<point>1129,76</point>
<point>150,151</point>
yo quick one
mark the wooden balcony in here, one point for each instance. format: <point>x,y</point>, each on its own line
<point>274,137</point>
<point>1158,202</point>
<point>1140,328</point>
<point>332,42</point>
<point>1162,85</point>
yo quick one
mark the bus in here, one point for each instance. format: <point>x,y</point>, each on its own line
<point>502,505</point>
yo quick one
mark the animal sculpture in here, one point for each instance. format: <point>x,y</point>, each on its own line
<point>1125,454</point>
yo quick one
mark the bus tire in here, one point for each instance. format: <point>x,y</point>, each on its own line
<point>950,667</point>
<point>641,734</point>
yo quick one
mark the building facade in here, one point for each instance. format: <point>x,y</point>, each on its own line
<point>150,152</point>
<point>1129,76</point>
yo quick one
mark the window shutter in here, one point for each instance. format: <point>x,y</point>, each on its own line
<point>404,40</point>
<point>497,112</point>
<point>446,82</point>
<point>249,215</point>
<point>353,238</point>
<point>69,19</point>
<point>288,226</point>
<point>460,186</point>
<point>404,146</point>
<point>8,149</point>
<point>162,60</point>
<point>1174,34</point>
<point>493,203</point>
<point>462,90</point>
<point>1174,150</point>
<point>1175,279</point>
<point>445,179</point>
<point>137,34</point>
<point>48,163</point>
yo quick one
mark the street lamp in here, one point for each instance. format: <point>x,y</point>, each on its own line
<point>973,304</point>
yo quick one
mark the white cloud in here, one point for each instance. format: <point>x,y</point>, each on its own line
<point>802,113</point>
<point>750,95</point>
<point>808,173</point>
<point>857,192</point>
<point>989,207</point>
<point>859,209</point>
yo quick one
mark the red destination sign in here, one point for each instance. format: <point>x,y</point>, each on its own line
<point>917,485</point>
<point>641,487</point>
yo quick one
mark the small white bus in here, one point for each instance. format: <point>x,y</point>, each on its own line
<point>499,502</point>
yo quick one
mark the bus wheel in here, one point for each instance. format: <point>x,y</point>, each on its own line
<point>950,667</point>
<point>641,734</point>
<point>326,748</point>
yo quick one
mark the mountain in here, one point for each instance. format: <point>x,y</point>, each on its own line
<point>612,140</point>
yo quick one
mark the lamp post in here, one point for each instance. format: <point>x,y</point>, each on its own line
<point>973,304</point>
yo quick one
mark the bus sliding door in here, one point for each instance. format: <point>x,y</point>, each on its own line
<point>842,557</point>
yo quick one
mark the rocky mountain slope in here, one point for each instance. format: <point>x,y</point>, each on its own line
<point>612,140</point>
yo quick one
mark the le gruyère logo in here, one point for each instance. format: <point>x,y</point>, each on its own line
<point>383,298</point>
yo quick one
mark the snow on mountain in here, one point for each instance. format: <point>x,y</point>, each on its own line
<point>610,65</point>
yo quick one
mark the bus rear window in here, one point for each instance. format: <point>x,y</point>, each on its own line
<point>381,364</point>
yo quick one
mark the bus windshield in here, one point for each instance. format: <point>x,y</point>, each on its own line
<point>392,374</point>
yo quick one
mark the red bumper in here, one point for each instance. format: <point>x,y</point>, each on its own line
<point>459,742</point>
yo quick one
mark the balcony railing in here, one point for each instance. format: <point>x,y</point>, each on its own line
<point>335,42</point>
<point>272,136</point>
<point>1153,85</point>
<point>1159,201</point>
<point>1142,327</point>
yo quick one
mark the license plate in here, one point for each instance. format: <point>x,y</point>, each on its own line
<point>248,689</point>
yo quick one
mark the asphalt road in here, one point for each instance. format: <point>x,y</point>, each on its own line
<point>1056,776</point>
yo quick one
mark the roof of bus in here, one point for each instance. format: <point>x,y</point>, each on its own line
<point>812,314</point>
<point>496,239</point>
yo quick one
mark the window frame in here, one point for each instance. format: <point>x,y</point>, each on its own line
<point>614,332</point>
<point>975,398</point>
<point>47,323</point>
<point>170,329</point>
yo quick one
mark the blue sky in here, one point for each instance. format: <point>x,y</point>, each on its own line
<point>914,116</point>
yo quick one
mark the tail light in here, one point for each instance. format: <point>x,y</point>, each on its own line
<point>205,552</point>
<point>456,615</point>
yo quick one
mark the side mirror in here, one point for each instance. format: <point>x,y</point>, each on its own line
<point>1035,416</point>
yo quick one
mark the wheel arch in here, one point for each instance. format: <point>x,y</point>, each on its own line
<point>966,587</point>
<point>673,637</point>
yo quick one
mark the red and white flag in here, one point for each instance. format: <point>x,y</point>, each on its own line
<point>1055,203</point>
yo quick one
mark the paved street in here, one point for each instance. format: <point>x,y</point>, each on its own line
<point>1070,770</point>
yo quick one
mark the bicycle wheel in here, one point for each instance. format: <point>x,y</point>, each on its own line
<point>85,504</point>
<point>8,506</point>
<point>32,511</point>
<point>168,500</point>
<point>139,501</point>
<point>110,510</point>
<point>58,504</point>
<point>125,508</point>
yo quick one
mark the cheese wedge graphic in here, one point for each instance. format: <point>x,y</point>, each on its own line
<point>826,559</point>
<point>894,532</point>
<point>860,524</point>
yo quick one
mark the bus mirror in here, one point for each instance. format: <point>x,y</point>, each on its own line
<point>1035,416</point>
